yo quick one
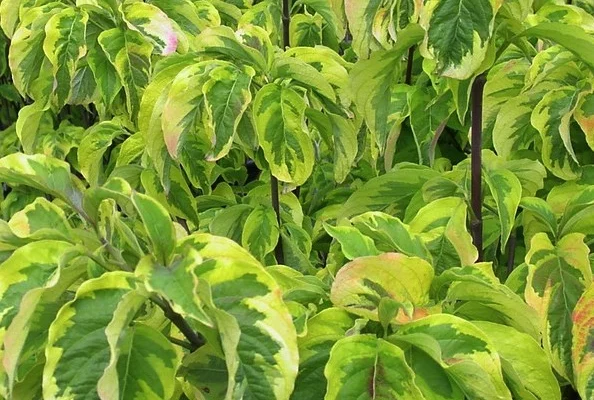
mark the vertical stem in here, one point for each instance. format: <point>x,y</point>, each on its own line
<point>409,65</point>
<point>286,23</point>
<point>278,251</point>
<point>476,164</point>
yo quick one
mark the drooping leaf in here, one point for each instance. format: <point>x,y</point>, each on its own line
<point>130,53</point>
<point>360,285</point>
<point>279,116</point>
<point>366,367</point>
<point>93,147</point>
<point>524,363</point>
<point>158,226</point>
<point>467,354</point>
<point>558,275</point>
<point>153,24</point>
<point>582,351</point>
<point>442,225</point>
<point>323,331</point>
<point>506,189</point>
<point>260,232</point>
<point>458,34</point>
<point>64,45</point>
<point>81,324</point>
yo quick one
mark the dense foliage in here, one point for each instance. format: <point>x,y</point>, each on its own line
<point>208,199</point>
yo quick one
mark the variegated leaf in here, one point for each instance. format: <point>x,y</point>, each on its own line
<point>506,189</point>
<point>361,284</point>
<point>471,360</point>
<point>305,30</point>
<point>153,24</point>
<point>64,45</point>
<point>458,34</point>
<point>143,362</point>
<point>323,331</point>
<point>442,225</point>
<point>41,220</point>
<point>360,16</point>
<point>92,148</point>
<point>50,175</point>
<point>525,366</point>
<point>584,116</point>
<point>366,367</point>
<point>558,275</point>
<point>158,225</point>
<point>267,345</point>
<point>582,350</point>
<point>552,118</point>
<point>260,232</point>
<point>392,233</point>
<point>279,115</point>
<point>130,53</point>
<point>226,97</point>
<point>372,82</point>
<point>83,323</point>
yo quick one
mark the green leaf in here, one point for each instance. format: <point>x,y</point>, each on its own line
<point>506,189</point>
<point>279,116</point>
<point>305,74</point>
<point>191,17</point>
<point>372,81</point>
<point>323,331</point>
<point>260,232</point>
<point>158,226</point>
<point>390,193</point>
<point>542,211</point>
<point>557,277</point>
<point>352,242</point>
<point>230,222</point>
<point>365,367</point>
<point>525,366</point>
<point>458,34</point>
<point>92,148</point>
<point>582,352</point>
<point>82,324</point>
<point>130,54</point>
<point>305,30</point>
<point>428,119</point>
<point>392,233</point>
<point>64,46</point>
<point>360,285</point>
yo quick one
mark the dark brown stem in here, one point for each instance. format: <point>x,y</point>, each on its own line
<point>476,164</point>
<point>196,340</point>
<point>409,65</point>
<point>286,23</point>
